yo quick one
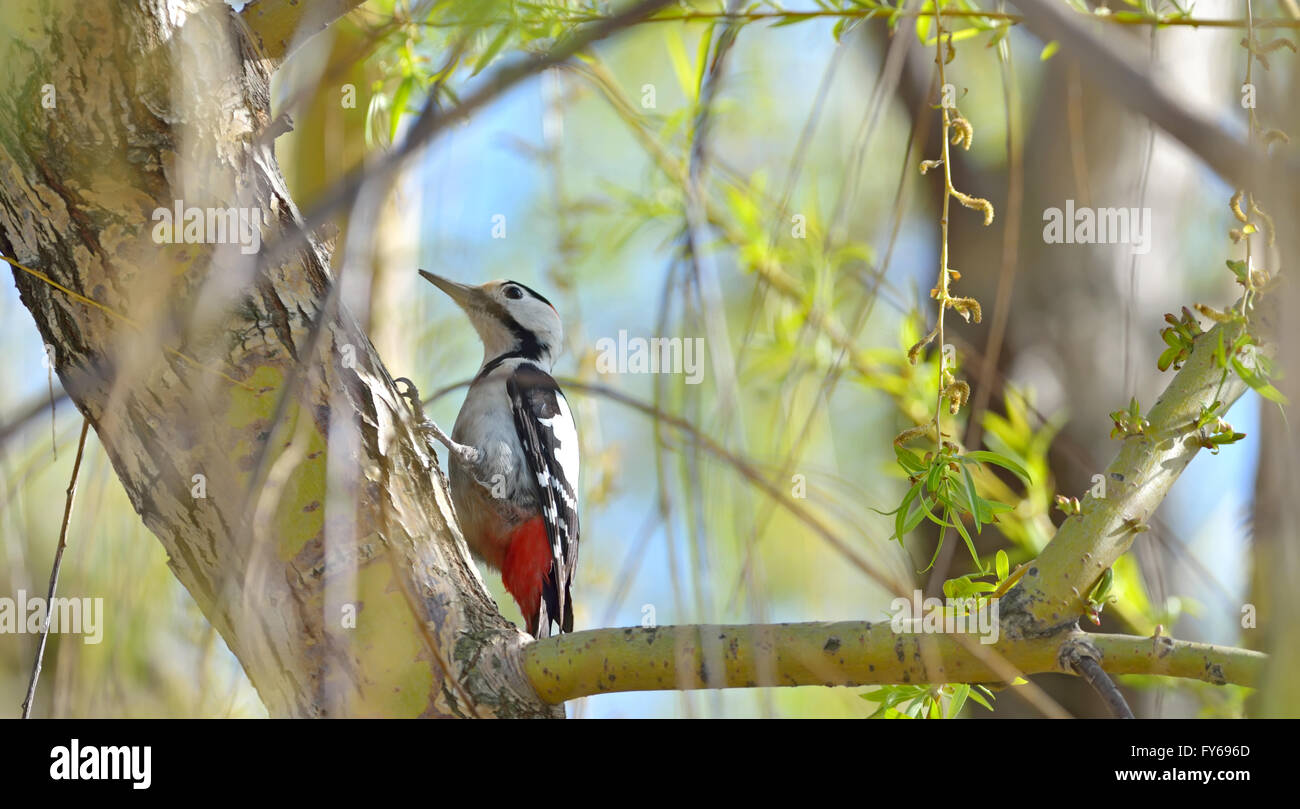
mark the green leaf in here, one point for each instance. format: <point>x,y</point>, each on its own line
<point>791,19</point>
<point>1167,358</point>
<point>399,106</point>
<point>955,36</point>
<point>1267,367</point>
<point>970,543</point>
<point>909,460</point>
<point>677,55</point>
<point>904,515</point>
<point>702,57</point>
<point>999,34</point>
<point>984,456</point>
<point>934,475</point>
<point>377,102</point>
<point>975,697</point>
<point>493,48</point>
<point>943,533</point>
<point>959,695</point>
<point>1258,383</point>
<point>1002,565</point>
<point>923,510</point>
<point>972,499</point>
<point>1049,50</point>
<point>954,586</point>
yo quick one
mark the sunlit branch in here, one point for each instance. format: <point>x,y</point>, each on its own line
<point>1053,591</point>
<point>848,653</point>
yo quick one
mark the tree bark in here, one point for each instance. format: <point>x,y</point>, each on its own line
<point>180,355</point>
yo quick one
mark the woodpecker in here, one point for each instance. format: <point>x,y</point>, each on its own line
<point>514,451</point>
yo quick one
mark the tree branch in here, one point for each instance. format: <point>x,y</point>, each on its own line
<point>1109,66</point>
<point>280,26</point>
<point>848,653</point>
<point>69,494</point>
<point>1051,595</point>
<point>1082,657</point>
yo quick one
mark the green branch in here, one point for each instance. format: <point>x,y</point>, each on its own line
<point>1054,590</point>
<point>848,653</point>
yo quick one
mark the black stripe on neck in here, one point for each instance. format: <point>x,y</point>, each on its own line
<point>526,343</point>
<point>496,362</point>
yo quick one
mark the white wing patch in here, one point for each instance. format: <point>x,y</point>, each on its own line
<point>566,453</point>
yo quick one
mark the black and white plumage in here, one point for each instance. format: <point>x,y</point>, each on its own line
<point>550,443</point>
<point>514,452</point>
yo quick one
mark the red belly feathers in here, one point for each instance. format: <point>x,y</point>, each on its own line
<point>527,565</point>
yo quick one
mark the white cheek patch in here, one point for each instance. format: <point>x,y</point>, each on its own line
<point>539,318</point>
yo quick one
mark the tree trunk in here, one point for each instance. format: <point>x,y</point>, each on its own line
<point>232,396</point>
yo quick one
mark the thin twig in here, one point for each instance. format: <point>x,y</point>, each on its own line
<point>54,443</point>
<point>1091,671</point>
<point>787,16</point>
<point>54,573</point>
<point>432,121</point>
<point>942,285</point>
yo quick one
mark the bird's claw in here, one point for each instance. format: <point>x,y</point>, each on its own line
<point>412,397</point>
<point>467,455</point>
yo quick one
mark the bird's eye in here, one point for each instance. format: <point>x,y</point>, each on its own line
<point>514,293</point>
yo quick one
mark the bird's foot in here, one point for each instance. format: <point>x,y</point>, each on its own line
<point>467,455</point>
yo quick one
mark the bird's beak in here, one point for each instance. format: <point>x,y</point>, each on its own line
<point>464,295</point>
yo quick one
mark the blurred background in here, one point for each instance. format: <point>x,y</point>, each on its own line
<point>762,195</point>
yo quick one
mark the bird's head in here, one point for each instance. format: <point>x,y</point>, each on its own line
<point>508,316</point>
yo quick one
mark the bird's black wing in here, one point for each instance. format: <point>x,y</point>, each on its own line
<point>550,441</point>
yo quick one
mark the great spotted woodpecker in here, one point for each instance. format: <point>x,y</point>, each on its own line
<point>514,452</point>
